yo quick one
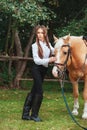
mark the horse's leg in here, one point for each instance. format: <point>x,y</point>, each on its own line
<point>75,95</point>
<point>84,116</point>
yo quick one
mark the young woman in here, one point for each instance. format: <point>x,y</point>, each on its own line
<point>41,51</point>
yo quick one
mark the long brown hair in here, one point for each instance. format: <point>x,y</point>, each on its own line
<point>40,51</point>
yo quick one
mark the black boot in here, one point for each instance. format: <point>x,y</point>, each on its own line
<point>27,107</point>
<point>35,107</point>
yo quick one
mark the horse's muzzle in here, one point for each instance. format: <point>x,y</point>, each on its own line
<point>57,72</point>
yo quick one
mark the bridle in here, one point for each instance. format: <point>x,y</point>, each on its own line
<point>65,62</point>
<point>61,73</point>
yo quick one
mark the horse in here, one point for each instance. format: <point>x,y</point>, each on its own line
<point>71,54</point>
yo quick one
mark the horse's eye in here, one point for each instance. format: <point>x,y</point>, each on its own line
<point>64,53</point>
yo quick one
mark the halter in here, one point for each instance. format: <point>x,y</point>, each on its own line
<point>61,73</point>
<point>65,62</point>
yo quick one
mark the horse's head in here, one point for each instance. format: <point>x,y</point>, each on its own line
<point>62,51</point>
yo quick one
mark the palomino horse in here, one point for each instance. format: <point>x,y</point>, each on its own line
<point>71,53</point>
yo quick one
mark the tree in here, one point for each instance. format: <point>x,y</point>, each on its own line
<point>22,13</point>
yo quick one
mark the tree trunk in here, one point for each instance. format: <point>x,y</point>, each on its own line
<point>23,64</point>
<point>7,37</point>
<point>18,50</point>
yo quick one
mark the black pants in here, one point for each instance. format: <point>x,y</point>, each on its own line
<point>38,73</point>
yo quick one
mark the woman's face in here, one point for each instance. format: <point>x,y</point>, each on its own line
<point>40,34</point>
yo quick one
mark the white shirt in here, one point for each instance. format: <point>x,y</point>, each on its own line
<point>46,54</point>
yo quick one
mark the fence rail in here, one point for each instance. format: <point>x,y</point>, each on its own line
<point>5,58</point>
<point>30,79</point>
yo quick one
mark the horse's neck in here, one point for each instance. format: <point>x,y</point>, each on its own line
<point>78,52</point>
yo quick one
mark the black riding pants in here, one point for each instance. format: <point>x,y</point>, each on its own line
<point>38,73</point>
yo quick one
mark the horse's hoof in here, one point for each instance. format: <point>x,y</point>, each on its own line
<point>84,116</point>
<point>75,112</point>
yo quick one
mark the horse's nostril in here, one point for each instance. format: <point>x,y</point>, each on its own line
<point>58,72</point>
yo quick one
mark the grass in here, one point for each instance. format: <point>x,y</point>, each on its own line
<point>53,110</point>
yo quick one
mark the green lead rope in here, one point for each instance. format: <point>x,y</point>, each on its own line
<point>70,113</point>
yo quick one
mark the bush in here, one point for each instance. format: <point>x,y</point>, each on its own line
<point>76,28</point>
<point>5,77</point>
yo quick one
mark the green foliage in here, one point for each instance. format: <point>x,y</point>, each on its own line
<point>21,15</point>
<point>29,11</point>
<point>69,10</point>
<point>5,77</point>
<point>76,28</point>
<point>3,29</point>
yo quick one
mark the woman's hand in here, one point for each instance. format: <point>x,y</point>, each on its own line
<point>52,59</point>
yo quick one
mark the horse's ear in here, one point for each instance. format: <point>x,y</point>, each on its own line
<point>55,38</point>
<point>67,38</point>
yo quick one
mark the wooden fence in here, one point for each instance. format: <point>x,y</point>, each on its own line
<point>16,58</point>
<point>9,58</point>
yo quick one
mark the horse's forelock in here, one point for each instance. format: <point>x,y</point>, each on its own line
<point>59,43</point>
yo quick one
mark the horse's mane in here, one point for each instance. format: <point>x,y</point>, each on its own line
<point>72,36</point>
